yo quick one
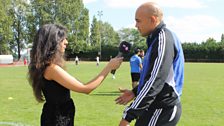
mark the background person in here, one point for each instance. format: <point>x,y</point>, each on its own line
<point>49,80</point>
<point>24,61</point>
<point>142,54</point>
<point>76,60</point>
<point>113,73</point>
<point>97,61</point>
<point>136,66</point>
<point>157,97</point>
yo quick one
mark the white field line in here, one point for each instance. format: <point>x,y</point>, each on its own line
<point>13,124</point>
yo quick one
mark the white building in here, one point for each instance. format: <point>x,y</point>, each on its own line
<point>6,59</point>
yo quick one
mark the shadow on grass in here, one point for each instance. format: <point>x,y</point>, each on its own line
<point>111,93</point>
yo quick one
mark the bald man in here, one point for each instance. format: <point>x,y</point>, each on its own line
<point>156,100</point>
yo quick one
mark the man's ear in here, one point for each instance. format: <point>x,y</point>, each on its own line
<point>154,20</point>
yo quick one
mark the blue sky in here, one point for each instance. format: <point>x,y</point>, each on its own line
<point>191,20</point>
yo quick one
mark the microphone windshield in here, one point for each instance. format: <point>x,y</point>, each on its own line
<point>124,47</point>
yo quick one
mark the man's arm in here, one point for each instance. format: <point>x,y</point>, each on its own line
<point>160,63</point>
<point>140,63</point>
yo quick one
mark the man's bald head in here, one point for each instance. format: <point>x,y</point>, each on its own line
<point>151,8</point>
<point>147,17</point>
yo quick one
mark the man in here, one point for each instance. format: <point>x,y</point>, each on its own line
<point>76,60</point>
<point>157,97</point>
<point>136,66</point>
<point>142,54</point>
<point>97,61</point>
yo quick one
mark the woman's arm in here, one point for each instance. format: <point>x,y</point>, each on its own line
<point>56,73</point>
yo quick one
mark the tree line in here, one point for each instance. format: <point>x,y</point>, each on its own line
<point>20,20</point>
<point>208,51</point>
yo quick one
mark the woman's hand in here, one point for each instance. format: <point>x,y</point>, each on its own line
<point>115,63</point>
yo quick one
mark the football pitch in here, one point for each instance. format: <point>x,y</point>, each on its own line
<point>202,99</point>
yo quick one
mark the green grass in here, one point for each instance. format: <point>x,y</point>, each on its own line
<point>202,99</point>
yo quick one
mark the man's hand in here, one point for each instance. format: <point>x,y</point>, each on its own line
<point>126,97</point>
<point>124,123</point>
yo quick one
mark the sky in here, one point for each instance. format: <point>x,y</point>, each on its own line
<point>191,20</point>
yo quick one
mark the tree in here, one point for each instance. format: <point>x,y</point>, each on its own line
<point>132,35</point>
<point>31,26</point>
<point>208,51</point>
<point>95,33</point>
<point>83,25</point>
<point>19,9</point>
<point>108,35</point>
<point>70,13</point>
<point>79,37</point>
<point>43,11</point>
<point>222,38</point>
<point>5,27</point>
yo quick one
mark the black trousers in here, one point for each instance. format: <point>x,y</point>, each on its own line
<point>160,117</point>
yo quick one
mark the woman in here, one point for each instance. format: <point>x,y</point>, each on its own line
<point>50,82</point>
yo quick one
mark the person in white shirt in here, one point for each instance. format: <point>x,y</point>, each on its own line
<point>97,60</point>
<point>76,60</point>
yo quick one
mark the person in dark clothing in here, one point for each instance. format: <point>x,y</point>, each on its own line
<point>49,80</point>
<point>156,100</point>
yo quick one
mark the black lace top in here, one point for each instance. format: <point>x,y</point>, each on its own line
<point>55,93</point>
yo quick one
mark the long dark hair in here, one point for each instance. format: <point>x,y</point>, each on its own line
<point>45,50</point>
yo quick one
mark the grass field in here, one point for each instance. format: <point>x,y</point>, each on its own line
<point>202,99</point>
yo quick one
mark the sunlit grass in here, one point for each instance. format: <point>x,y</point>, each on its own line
<point>202,98</point>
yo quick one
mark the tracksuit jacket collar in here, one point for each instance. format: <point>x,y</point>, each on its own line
<point>155,32</point>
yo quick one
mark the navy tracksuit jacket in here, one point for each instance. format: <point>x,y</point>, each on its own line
<point>161,80</point>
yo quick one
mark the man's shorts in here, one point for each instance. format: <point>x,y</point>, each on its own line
<point>168,116</point>
<point>135,77</point>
